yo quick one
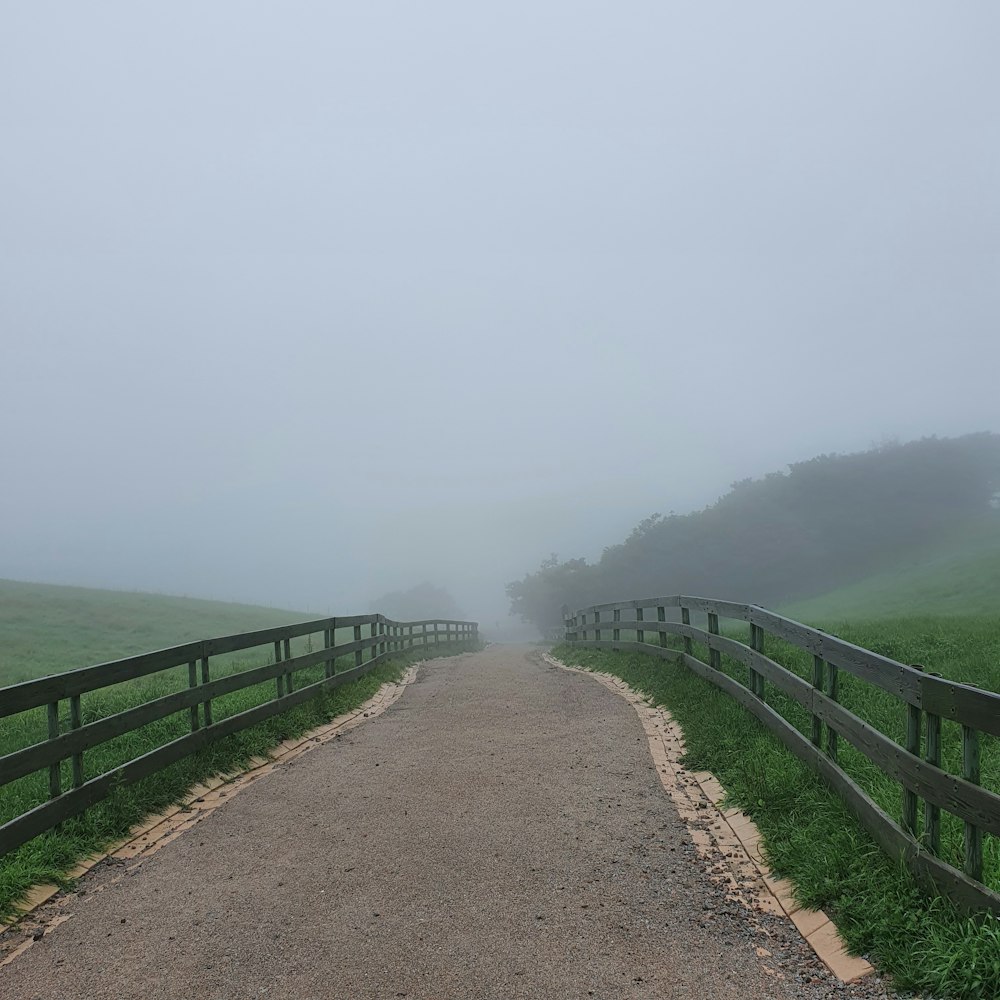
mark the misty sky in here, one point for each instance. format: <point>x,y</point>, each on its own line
<point>304,302</point>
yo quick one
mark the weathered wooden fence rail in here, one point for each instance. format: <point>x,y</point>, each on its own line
<point>385,638</point>
<point>926,698</point>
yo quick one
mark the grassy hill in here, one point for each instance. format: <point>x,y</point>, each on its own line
<point>46,629</point>
<point>957,576</point>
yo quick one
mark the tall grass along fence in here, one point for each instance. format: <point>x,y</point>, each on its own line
<point>943,711</point>
<point>69,738</point>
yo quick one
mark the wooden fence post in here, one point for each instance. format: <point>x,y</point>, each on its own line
<point>913,747</point>
<point>714,656</point>
<point>193,683</point>
<point>279,681</point>
<point>819,670</point>
<point>328,642</point>
<point>932,813</point>
<point>206,706</point>
<point>597,626</point>
<point>834,693</point>
<point>358,653</point>
<point>686,620</point>
<point>640,634</point>
<point>616,632</point>
<point>661,616</point>
<point>973,834</point>
<point>75,721</point>
<point>756,678</point>
<point>289,684</point>
<point>55,777</point>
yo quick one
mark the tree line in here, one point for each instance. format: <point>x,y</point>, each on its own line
<point>832,520</point>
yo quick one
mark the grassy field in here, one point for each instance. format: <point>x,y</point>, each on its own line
<point>959,575</point>
<point>46,629</point>
<point>810,837</point>
<point>44,623</point>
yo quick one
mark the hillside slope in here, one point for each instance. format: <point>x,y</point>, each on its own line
<point>960,575</point>
<point>47,629</point>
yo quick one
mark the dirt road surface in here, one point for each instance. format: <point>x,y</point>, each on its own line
<point>499,832</point>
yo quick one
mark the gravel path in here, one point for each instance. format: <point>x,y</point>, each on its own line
<point>499,832</point>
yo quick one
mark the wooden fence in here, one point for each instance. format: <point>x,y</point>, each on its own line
<point>385,638</point>
<point>926,699</point>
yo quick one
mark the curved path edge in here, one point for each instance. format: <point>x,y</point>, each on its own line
<point>728,839</point>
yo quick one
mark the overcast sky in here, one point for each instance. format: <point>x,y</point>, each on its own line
<point>304,302</point>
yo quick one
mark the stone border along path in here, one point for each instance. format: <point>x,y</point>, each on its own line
<point>728,839</point>
<point>501,832</point>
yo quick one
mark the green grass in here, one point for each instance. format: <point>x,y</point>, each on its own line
<point>809,835</point>
<point>959,575</point>
<point>57,628</point>
<point>46,629</point>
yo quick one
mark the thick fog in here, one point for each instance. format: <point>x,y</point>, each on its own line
<point>301,303</point>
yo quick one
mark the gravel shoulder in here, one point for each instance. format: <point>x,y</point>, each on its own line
<point>501,831</point>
